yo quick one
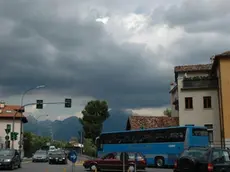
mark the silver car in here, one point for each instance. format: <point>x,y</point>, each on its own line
<point>40,156</point>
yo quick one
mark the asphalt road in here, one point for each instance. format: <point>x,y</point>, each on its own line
<point>45,167</point>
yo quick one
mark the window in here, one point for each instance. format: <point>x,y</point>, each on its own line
<point>150,136</point>
<point>188,103</point>
<point>210,131</point>
<point>207,101</point>
<point>199,132</point>
<point>220,156</point>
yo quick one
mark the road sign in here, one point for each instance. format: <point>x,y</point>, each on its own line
<point>72,156</point>
<point>7,137</point>
<point>7,131</point>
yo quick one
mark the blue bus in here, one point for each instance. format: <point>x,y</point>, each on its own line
<point>161,146</point>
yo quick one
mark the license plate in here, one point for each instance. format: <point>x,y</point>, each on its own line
<point>60,159</point>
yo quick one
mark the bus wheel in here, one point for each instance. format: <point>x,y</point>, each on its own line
<point>159,162</point>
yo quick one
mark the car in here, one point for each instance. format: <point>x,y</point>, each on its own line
<point>203,159</point>
<point>58,157</point>
<point>40,156</point>
<point>10,159</point>
<point>114,161</point>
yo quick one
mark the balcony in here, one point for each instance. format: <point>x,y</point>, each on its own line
<point>200,83</point>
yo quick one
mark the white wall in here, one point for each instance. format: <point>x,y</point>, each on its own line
<point>198,115</point>
<point>174,95</point>
<point>3,124</point>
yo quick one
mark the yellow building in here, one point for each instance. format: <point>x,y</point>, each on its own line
<point>221,70</point>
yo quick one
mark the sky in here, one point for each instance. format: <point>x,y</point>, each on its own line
<point>123,52</point>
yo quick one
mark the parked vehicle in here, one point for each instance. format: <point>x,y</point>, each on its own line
<point>40,156</point>
<point>10,159</point>
<point>203,159</point>
<point>116,161</point>
<point>160,146</point>
<point>58,157</point>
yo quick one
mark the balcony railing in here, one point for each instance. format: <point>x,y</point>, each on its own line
<point>202,83</point>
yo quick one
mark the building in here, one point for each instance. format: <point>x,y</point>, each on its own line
<point>136,122</point>
<point>200,96</point>
<point>221,71</point>
<point>7,113</point>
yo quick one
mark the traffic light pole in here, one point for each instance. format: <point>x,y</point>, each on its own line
<point>21,111</point>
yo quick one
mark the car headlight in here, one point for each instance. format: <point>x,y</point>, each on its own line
<point>63,158</point>
<point>50,158</point>
<point>7,160</point>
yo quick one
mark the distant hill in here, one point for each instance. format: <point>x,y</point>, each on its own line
<point>70,127</point>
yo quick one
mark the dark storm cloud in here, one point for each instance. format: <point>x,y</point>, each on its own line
<point>198,15</point>
<point>75,57</point>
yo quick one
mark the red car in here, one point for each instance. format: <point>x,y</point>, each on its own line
<point>114,161</point>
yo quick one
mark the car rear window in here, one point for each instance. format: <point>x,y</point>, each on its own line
<point>138,156</point>
<point>201,154</point>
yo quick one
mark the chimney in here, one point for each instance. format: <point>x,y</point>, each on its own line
<point>212,58</point>
<point>2,104</point>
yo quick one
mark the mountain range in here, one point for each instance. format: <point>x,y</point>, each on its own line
<point>71,127</point>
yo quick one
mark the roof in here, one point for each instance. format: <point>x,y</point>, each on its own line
<point>8,111</point>
<point>193,68</point>
<point>136,122</point>
<point>225,54</point>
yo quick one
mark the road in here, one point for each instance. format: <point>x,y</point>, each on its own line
<point>45,167</point>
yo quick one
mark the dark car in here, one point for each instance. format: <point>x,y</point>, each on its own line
<point>10,159</point>
<point>114,161</point>
<point>58,157</point>
<point>40,156</point>
<point>203,159</point>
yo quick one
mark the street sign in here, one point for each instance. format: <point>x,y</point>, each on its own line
<point>72,156</point>
<point>7,131</point>
<point>8,126</point>
<point>7,137</point>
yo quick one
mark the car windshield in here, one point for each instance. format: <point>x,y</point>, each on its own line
<point>57,153</point>
<point>6,152</point>
<point>201,154</point>
<point>40,153</point>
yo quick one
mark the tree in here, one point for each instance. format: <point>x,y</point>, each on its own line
<point>168,112</point>
<point>94,114</point>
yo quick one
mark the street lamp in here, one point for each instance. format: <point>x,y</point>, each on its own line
<point>37,121</point>
<point>21,109</point>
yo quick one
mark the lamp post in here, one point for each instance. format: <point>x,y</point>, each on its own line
<point>37,121</point>
<point>21,110</point>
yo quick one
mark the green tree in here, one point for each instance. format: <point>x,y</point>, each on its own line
<point>168,112</point>
<point>89,147</point>
<point>94,114</point>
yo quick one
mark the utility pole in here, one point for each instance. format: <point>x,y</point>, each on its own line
<point>81,142</point>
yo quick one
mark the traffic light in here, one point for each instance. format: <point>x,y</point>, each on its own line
<point>39,104</point>
<point>68,103</point>
<point>7,143</point>
<point>13,136</point>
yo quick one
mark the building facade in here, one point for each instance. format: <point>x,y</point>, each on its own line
<point>7,113</point>
<point>221,70</point>
<point>194,98</point>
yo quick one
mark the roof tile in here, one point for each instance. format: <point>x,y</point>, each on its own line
<point>9,111</point>
<point>136,122</point>
<point>193,68</point>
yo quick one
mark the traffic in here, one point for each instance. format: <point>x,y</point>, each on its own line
<point>160,146</point>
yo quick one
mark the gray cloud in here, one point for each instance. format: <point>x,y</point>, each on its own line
<point>74,57</point>
<point>64,48</point>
